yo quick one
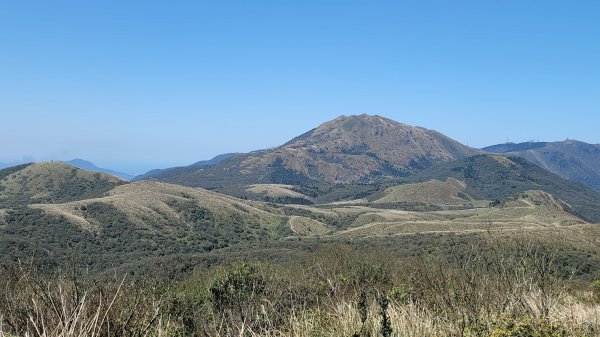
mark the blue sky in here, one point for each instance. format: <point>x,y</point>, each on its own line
<point>135,85</point>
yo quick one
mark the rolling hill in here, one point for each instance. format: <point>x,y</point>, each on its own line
<point>496,177</point>
<point>346,149</point>
<point>570,159</point>
<point>51,182</point>
<point>55,212</point>
<point>137,222</point>
<point>527,212</point>
<point>450,192</point>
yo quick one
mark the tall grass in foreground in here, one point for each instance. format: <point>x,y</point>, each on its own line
<point>498,288</point>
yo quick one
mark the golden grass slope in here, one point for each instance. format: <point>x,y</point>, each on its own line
<point>434,192</point>
<point>534,210</point>
<point>54,182</point>
<point>275,190</point>
<point>535,197</point>
<point>148,203</point>
<point>306,227</point>
<point>157,206</point>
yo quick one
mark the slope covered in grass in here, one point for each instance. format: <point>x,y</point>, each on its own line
<point>495,177</point>
<point>51,183</point>
<point>142,220</point>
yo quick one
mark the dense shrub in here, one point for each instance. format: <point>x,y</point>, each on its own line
<point>495,287</point>
<point>596,290</point>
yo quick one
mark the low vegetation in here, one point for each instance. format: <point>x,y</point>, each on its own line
<point>488,287</point>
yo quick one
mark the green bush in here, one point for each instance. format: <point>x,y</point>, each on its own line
<point>238,289</point>
<point>528,328</point>
<point>596,290</point>
<point>400,293</point>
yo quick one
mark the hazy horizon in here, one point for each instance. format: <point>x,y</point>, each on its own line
<point>137,168</point>
<point>135,86</point>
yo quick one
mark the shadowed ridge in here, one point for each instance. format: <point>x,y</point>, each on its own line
<point>497,177</point>
<point>570,159</point>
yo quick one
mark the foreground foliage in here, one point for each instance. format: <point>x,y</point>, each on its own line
<point>507,288</point>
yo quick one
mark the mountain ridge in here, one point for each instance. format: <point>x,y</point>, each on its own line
<point>158,173</point>
<point>571,159</point>
<point>497,177</point>
<point>87,165</point>
<point>345,149</point>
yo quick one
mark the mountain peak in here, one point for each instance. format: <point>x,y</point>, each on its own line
<point>345,149</point>
<point>364,117</point>
<point>358,121</point>
<point>377,144</point>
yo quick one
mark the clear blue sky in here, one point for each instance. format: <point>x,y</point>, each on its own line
<point>134,85</point>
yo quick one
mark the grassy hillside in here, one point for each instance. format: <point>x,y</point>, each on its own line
<point>143,220</point>
<point>51,183</point>
<point>134,224</point>
<point>434,192</point>
<point>495,177</point>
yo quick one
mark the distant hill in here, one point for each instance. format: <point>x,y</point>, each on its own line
<point>5,165</point>
<point>86,165</point>
<point>497,177</point>
<point>50,183</point>
<point>159,174</point>
<point>570,159</point>
<point>346,149</point>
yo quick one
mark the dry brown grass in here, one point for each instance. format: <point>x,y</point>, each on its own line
<point>41,181</point>
<point>304,226</point>
<point>147,202</point>
<point>274,190</point>
<point>434,192</point>
<point>349,148</point>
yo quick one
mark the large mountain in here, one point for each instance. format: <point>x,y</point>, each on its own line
<point>497,177</point>
<point>346,149</point>
<point>86,165</point>
<point>570,159</point>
